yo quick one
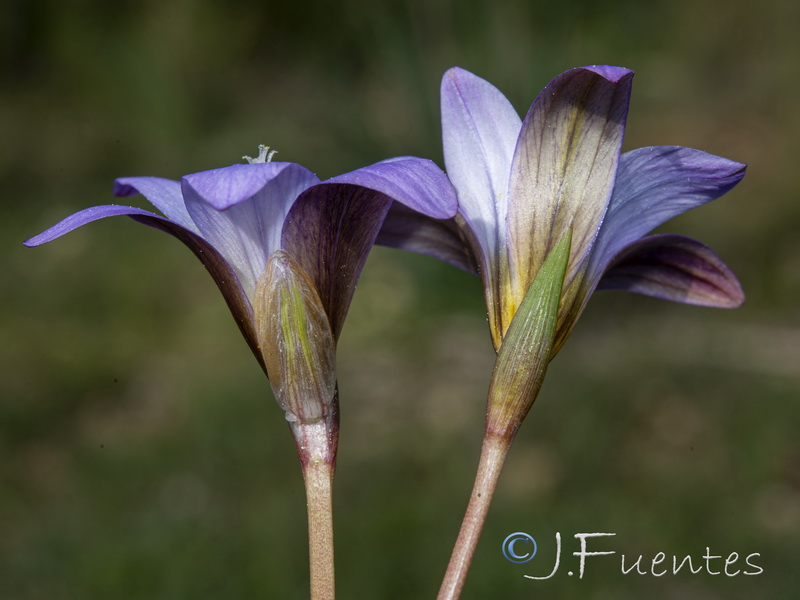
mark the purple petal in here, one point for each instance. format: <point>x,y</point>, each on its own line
<point>227,186</point>
<point>332,226</point>
<point>240,210</point>
<point>330,231</point>
<point>654,185</point>
<point>564,167</point>
<point>81,218</point>
<point>416,182</point>
<point>409,230</point>
<point>479,131</point>
<point>675,268</point>
<point>613,74</point>
<point>164,194</point>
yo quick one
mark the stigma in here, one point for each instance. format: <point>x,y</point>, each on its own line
<point>264,155</point>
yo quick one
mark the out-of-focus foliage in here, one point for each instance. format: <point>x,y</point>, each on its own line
<point>141,452</point>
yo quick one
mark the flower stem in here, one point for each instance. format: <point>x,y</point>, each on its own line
<point>318,476</point>
<point>493,455</point>
<point>317,443</point>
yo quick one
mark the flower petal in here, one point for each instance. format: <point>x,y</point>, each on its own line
<point>479,132</point>
<point>81,218</point>
<point>675,268</point>
<point>563,170</point>
<point>654,185</point>
<point>406,229</point>
<point>416,182</point>
<point>333,225</point>
<point>240,210</point>
<point>330,231</point>
<point>164,194</point>
<point>227,186</point>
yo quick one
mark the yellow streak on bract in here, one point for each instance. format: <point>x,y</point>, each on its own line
<point>296,339</point>
<point>526,349</point>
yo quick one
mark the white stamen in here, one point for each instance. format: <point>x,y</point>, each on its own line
<point>264,155</point>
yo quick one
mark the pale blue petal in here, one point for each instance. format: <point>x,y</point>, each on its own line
<point>479,134</point>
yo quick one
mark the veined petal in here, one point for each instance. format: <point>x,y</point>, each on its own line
<point>164,194</point>
<point>333,225</point>
<point>563,171</point>
<point>479,133</point>
<point>409,230</point>
<point>240,210</point>
<point>654,185</point>
<point>330,231</point>
<point>675,268</point>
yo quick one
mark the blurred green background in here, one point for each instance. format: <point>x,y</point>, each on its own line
<point>141,452</point>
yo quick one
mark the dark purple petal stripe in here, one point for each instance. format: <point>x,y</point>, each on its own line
<point>332,226</point>
<point>564,168</point>
<point>675,268</point>
<point>330,230</point>
<point>410,230</point>
<point>654,185</point>
<point>416,182</point>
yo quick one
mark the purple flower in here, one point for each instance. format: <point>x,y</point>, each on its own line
<point>549,212</point>
<point>522,184</point>
<point>286,251</point>
<point>271,229</point>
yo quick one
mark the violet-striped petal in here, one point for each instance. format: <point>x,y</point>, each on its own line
<point>654,185</point>
<point>240,210</point>
<point>563,169</point>
<point>164,194</point>
<point>333,225</point>
<point>409,230</point>
<point>330,231</point>
<point>479,133</point>
<point>675,268</point>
